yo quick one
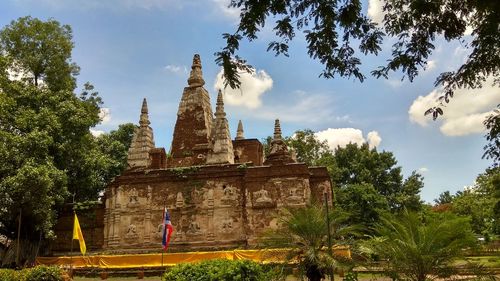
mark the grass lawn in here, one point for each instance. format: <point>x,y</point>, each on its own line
<point>361,277</point>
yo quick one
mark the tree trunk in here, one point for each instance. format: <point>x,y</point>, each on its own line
<point>314,274</point>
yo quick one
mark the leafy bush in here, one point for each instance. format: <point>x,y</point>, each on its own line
<point>10,275</point>
<point>45,273</point>
<point>223,270</point>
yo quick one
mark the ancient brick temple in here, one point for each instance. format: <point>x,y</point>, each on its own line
<point>221,192</point>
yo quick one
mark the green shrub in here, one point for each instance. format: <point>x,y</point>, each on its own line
<point>10,275</point>
<point>223,270</point>
<point>44,273</point>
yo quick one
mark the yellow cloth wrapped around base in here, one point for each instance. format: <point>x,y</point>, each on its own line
<point>171,259</point>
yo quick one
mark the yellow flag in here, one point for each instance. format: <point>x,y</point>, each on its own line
<point>77,234</point>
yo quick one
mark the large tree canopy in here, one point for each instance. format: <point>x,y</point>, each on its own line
<point>366,182</point>
<point>40,51</point>
<point>338,32</point>
<point>47,152</point>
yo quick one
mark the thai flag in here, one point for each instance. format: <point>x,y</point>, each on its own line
<point>167,229</point>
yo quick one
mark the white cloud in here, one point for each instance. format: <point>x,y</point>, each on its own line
<point>375,11</point>
<point>464,114</point>
<point>222,6</point>
<point>373,138</point>
<point>177,69</point>
<point>105,115</point>
<point>253,86</point>
<point>431,64</point>
<point>343,136</point>
<point>422,170</point>
<point>96,133</point>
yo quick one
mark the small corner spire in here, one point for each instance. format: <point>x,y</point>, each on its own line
<point>277,129</point>
<point>239,132</point>
<point>144,120</point>
<point>196,75</point>
<point>219,109</point>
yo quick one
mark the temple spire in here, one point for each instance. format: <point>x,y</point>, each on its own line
<point>144,120</point>
<point>219,109</point>
<point>192,139</point>
<point>222,151</point>
<point>277,130</point>
<point>279,154</point>
<point>142,141</point>
<point>196,75</point>
<point>239,132</point>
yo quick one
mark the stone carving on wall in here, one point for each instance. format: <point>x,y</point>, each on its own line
<point>194,228</point>
<point>295,196</point>
<point>150,194</point>
<point>227,225</point>
<point>133,200</point>
<point>131,233</point>
<point>262,199</point>
<point>179,201</point>
<point>229,195</point>
<point>209,195</point>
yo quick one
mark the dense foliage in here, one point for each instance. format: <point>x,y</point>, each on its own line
<point>219,270</point>
<point>47,151</point>
<point>305,232</point>
<point>37,273</point>
<point>338,32</point>
<point>492,148</point>
<point>480,202</point>
<point>414,248</point>
<point>366,182</point>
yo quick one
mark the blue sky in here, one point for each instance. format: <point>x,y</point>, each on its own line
<point>132,49</point>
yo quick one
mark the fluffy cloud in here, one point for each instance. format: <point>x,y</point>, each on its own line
<point>96,133</point>
<point>431,64</point>
<point>422,170</point>
<point>105,115</point>
<point>177,69</point>
<point>464,114</point>
<point>253,86</point>
<point>375,11</point>
<point>222,7</point>
<point>373,139</point>
<point>343,136</point>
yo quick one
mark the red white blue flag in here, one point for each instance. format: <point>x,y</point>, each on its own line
<point>167,229</point>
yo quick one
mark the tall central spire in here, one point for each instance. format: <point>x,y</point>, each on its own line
<point>196,75</point>
<point>192,138</point>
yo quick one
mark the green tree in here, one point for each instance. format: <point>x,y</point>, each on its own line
<point>46,148</point>
<point>492,148</point>
<point>444,198</point>
<point>414,249</point>
<point>307,147</point>
<point>363,203</point>
<point>40,51</point>
<point>361,176</point>
<point>333,28</point>
<point>355,164</point>
<point>481,202</point>
<point>305,231</point>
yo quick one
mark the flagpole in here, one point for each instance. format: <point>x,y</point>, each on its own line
<point>73,229</point>
<point>71,248</point>
<point>19,236</point>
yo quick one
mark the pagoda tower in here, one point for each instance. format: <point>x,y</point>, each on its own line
<point>192,140</point>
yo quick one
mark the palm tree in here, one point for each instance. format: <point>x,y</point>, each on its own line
<point>304,231</point>
<point>416,249</point>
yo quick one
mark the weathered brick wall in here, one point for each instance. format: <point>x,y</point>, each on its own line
<point>91,222</point>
